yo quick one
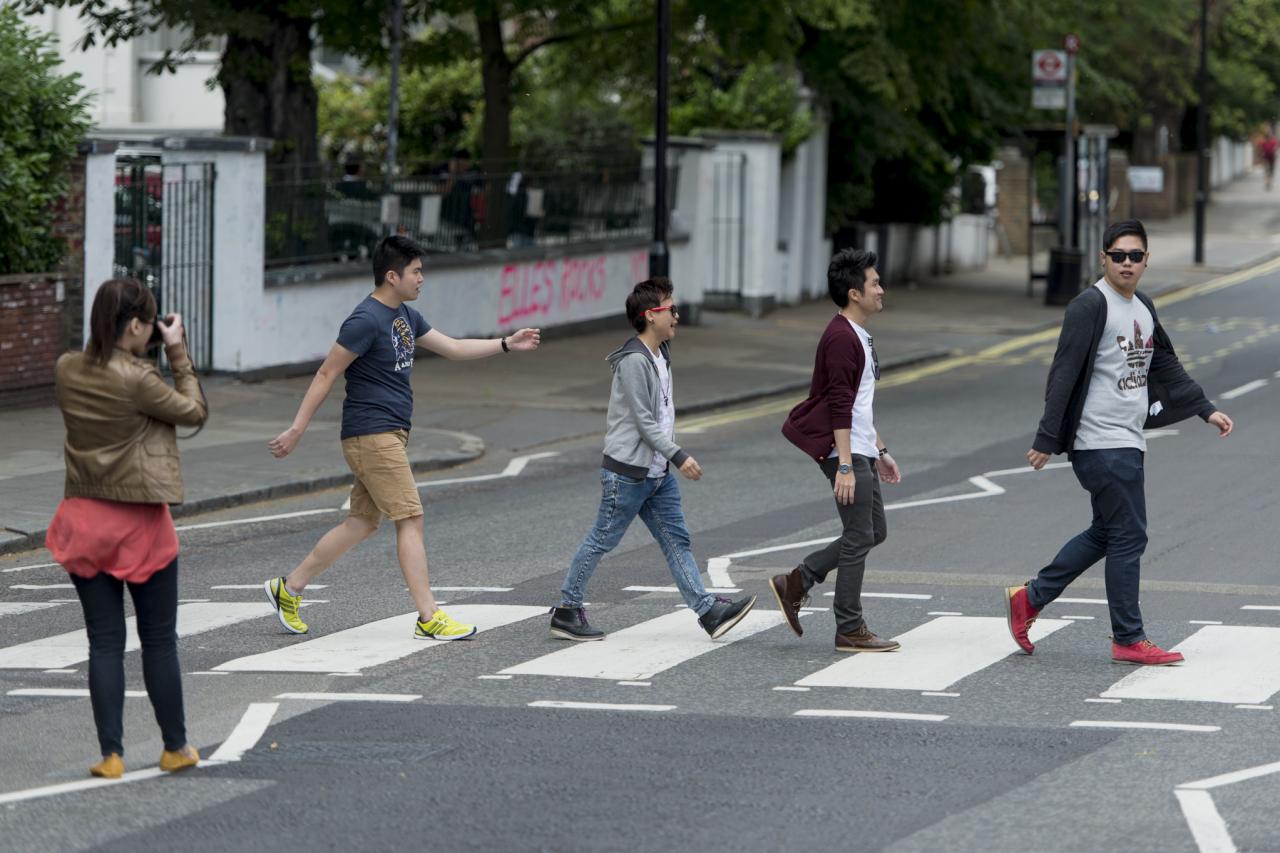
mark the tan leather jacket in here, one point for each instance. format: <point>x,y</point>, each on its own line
<point>121,443</point>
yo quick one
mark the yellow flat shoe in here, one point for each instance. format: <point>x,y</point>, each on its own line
<point>110,767</point>
<point>172,762</point>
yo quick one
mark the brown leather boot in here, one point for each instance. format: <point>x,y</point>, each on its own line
<point>788,591</point>
<point>862,640</point>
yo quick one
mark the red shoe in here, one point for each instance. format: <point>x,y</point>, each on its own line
<point>1021,616</point>
<point>1144,653</point>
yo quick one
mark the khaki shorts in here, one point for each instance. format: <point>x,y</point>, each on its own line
<point>384,481</point>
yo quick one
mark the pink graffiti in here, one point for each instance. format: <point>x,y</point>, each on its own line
<point>546,288</point>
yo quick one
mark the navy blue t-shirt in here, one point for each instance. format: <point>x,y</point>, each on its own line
<point>379,396</point>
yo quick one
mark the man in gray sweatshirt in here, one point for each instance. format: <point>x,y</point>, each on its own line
<point>636,479</point>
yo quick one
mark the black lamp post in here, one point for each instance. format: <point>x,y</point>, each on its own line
<point>659,259</point>
<point>1202,133</point>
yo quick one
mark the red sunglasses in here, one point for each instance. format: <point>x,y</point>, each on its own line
<point>671,308</point>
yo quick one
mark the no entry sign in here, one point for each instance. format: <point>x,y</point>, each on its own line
<point>1049,67</point>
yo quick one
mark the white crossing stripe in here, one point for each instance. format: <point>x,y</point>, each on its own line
<point>1225,663</point>
<point>933,656</point>
<point>72,648</point>
<point>642,651</point>
<point>13,608</point>
<point>373,643</point>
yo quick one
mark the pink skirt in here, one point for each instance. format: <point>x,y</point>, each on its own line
<point>130,542</point>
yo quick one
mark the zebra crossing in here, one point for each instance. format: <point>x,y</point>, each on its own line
<point>939,652</point>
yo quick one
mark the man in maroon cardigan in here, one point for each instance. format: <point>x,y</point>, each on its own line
<point>835,427</point>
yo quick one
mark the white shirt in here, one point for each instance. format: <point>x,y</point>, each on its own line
<point>666,413</point>
<point>1115,408</point>
<point>862,428</point>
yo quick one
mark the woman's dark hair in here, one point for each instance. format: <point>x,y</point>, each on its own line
<point>848,269</point>
<point>645,295</point>
<point>117,302</point>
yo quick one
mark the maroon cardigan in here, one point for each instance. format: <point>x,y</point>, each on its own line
<point>837,370</point>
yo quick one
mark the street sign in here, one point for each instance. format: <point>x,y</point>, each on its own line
<point>1146,179</point>
<point>1049,67</point>
<point>1049,97</point>
<point>1071,43</point>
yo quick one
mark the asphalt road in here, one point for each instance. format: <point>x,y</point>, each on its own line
<point>956,743</point>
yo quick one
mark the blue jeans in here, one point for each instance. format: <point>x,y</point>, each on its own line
<point>1114,480</point>
<point>657,501</point>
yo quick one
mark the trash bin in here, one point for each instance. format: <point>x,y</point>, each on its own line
<point>1064,275</point>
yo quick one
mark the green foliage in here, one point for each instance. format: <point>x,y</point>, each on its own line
<point>45,117</point>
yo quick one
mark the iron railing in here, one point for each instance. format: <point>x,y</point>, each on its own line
<point>313,217</point>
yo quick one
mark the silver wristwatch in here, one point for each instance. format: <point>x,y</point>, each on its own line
<point>844,469</point>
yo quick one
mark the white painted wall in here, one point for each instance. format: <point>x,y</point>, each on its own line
<point>293,323</point>
<point>763,268</point>
<point>99,225</point>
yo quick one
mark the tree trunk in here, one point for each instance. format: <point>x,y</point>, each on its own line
<point>497,71</point>
<point>266,81</point>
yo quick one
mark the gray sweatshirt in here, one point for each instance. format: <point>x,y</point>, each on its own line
<point>632,433</point>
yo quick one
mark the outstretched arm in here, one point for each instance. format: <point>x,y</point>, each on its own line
<point>466,349</point>
<point>335,364</point>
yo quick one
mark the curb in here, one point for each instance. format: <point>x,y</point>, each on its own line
<point>470,448</point>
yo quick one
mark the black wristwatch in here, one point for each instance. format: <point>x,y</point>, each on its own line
<point>883,451</point>
<point>843,468</point>
<point>505,348</point>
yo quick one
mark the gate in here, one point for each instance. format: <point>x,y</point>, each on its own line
<point>728,230</point>
<point>164,238</point>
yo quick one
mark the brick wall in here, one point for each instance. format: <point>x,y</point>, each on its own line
<point>32,336</point>
<point>42,313</point>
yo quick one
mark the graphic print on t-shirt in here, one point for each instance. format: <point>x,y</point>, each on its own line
<point>402,343</point>
<point>1137,357</point>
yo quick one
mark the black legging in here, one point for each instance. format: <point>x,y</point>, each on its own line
<point>156,605</point>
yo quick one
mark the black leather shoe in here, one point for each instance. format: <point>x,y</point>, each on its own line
<point>724,614</point>
<point>570,623</point>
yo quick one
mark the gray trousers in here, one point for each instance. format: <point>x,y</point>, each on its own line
<point>864,528</point>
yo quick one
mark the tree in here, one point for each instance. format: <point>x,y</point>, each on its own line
<point>45,117</point>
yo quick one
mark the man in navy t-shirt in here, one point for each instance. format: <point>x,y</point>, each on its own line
<point>375,350</point>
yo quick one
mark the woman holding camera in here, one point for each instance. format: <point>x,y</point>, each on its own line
<point>113,528</point>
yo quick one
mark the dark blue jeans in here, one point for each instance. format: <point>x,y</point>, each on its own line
<point>657,501</point>
<point>1114,480</point>
<point>156,605</point>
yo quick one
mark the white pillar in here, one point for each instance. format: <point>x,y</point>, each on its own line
<point>99,222</point>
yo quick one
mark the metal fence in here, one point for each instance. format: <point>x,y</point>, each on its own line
<point>312,217</point>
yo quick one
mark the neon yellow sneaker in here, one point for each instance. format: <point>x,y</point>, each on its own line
<point>442,627</point>
<point>286,605</point>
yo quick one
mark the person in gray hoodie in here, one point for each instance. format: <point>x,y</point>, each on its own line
<point>635,476</point>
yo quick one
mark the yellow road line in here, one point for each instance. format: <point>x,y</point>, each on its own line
<point>982,356</point>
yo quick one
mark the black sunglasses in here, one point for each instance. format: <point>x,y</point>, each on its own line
<point>1117,256</point>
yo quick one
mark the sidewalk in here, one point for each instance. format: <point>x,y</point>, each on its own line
<point>729,358</point>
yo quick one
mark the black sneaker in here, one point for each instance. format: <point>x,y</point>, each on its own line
<point>570,623</point>
<point>724,614</point>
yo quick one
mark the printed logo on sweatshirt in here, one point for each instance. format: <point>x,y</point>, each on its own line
<point>1137,356</point>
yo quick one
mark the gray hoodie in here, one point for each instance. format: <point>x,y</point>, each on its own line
<point>632,433</point>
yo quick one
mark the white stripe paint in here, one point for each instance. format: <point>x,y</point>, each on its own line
<point>373,643</point>
<point>933,656</point>
<point>1243,389</point>
<point>72,648</point>
<point>82,785</point>
<point>1077,618</point>
<point>1207,826</point>
<point>13,608</point>
<point>1131,724</point>
<point>514,469</point>
<point>472,588</point>
<point>599,706</point>
<point>1233,777</point>
<point>1204,622</point>
<point>642,651</point>
<point>1105,701</point>
<point>1261,607</point>
<point>945,613</point>
<point>792,689</point>
<point>939,693</point>
<point>235,522</point>
<point>677,589</point>
<point>870,715</point>
<point>1215,669</point>
<point>635,683</point>
<point>1256,707</point>
<point>313,586</point>
<point>1079,601</point>
<point>246,734</point>
<point>352,697</point>
<point>61,671</point>
<point>907,596</point>
<point>68,692</point>
<point>718,571</point>
<point>495,677</point>
<point>42,586</point>
<point>25,568</point>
